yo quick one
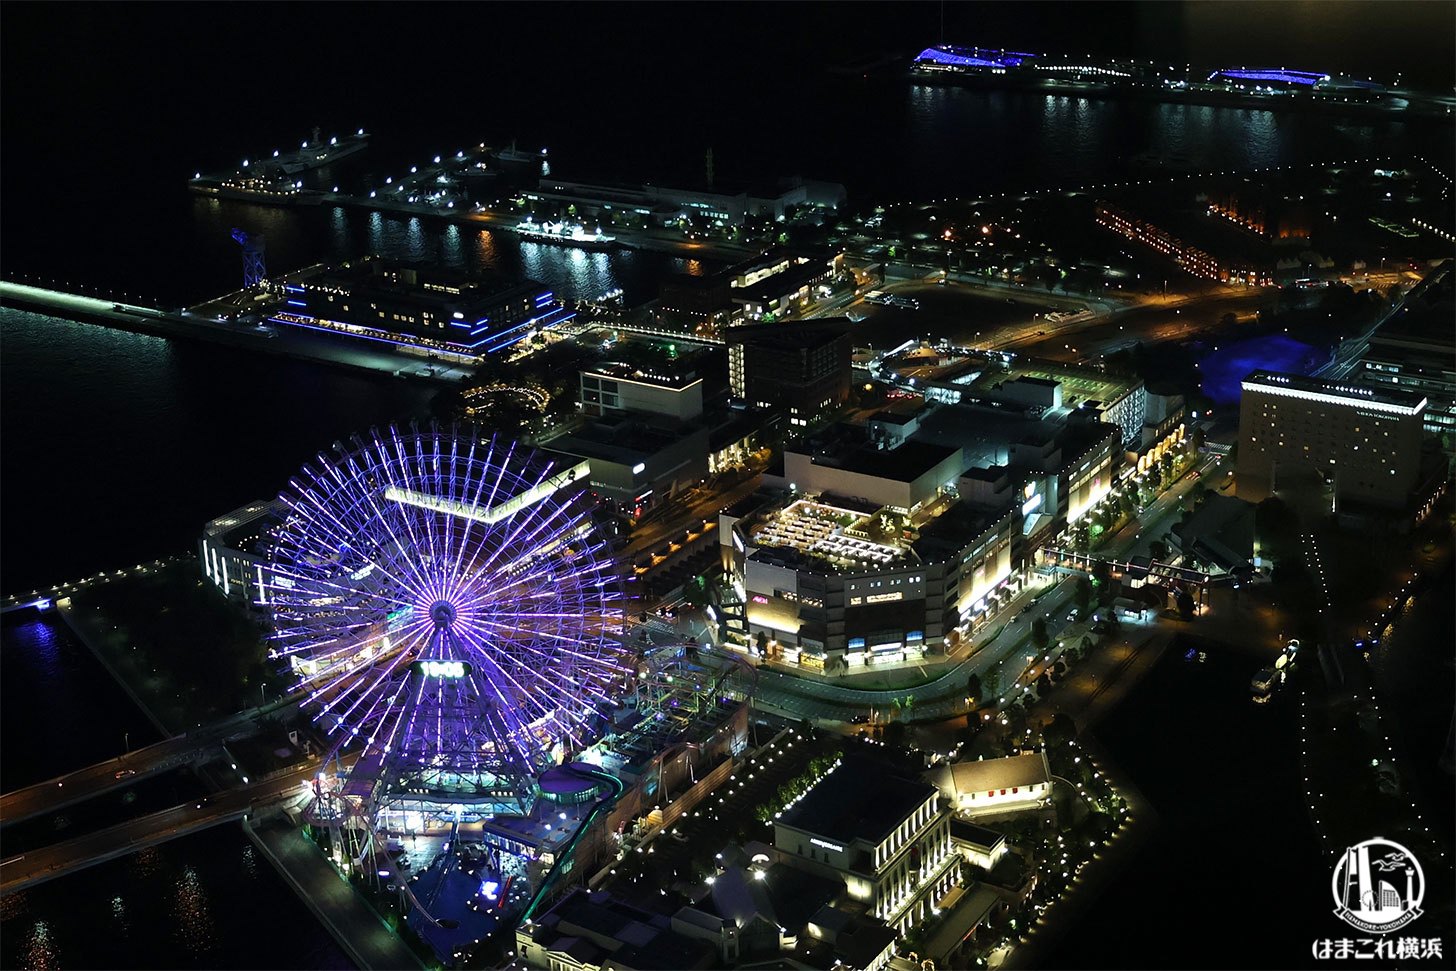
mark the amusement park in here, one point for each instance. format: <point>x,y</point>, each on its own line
<point>455,628</point>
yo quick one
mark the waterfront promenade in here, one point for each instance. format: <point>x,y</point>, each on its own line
<point>284,342</point>
<point>357,928</point>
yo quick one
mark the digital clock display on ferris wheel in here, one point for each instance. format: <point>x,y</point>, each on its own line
<point>442,669</point>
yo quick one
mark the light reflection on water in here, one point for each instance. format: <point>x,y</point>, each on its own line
<point>194,926</point>
<point>40,951</point>
<point>194,902</point>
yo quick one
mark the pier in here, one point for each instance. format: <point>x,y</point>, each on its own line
<point>355,925</point>
<point>185,324</point>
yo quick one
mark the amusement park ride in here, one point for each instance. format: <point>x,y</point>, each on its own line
<point>457,624</point>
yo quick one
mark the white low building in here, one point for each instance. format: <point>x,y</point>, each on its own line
<point>987,786</point>
<point>885,836</point>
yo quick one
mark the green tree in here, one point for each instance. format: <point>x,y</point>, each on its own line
<point>1158,550</point>
<point>893,734</point>
<point>1060,730</point>
<point>697,592</point>
<point>991,683</point>
<point>1185,604</point>
<point>1082,594</point>
<point>1276,527</point>
<point>973,688</point>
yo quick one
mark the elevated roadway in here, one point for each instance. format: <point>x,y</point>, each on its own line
<point>37,866</point>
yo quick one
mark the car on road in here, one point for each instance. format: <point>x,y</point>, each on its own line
<point>125,773</point>
<point>200,803</point>
<point>1072,617</point>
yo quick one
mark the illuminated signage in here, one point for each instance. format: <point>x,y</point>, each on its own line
<point>915,635</point>
<point>639,468</point>
<point>1031,505</point>
<point>441,669</point>
<point>759,598</point>
<point>826,844</point>
<point>856,642</point>
<point>362,573</point>
<point>876,598</point>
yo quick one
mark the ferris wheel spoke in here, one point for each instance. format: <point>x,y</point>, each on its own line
<point>531,600</point>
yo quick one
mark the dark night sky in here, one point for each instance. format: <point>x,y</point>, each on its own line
<point>208,83</point>
<point>449,58</point>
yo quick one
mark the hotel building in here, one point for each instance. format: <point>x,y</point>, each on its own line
<point>1364,441</point>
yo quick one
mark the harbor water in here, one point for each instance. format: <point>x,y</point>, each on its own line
<point>119,447</point>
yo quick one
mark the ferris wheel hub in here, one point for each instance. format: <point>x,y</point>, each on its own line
<point>442,612</point>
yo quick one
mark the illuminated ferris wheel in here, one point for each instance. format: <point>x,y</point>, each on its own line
<point>448,607</point>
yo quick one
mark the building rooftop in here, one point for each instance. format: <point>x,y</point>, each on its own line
<point>949,532</point>
<point>616,439</point>
<point>620,371</point>
<point>823,530</point>
<point>1340,392</point>
<point>424,282</point>
<point>1026,769</point>
<point>863,942</point>
<point>969,832</point>
<point>253,511</point>
<point>641,940</point>
<point>785,281</point>
<point>854,453</point>
<point>862,799</point>
<point>799,335</point>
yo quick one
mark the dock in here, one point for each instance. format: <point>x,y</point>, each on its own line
<point>188,325</point>
<point>355,925</point>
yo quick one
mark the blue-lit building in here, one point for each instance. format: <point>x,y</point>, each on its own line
<point>1277,80</point>
<point>436,309</point>
<point>970,60</point>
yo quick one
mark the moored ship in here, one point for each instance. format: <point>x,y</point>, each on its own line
<point>277,192</point>
<point>565,234</point>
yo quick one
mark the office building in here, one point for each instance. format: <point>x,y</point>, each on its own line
<point>1362,441</point>
<point>233,551</point>
<point>614,388</point>
<point>801,369</point>
<point>1415,351</point>
<point>637,461</point>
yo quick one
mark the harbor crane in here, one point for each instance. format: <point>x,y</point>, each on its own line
<point>255,273</point>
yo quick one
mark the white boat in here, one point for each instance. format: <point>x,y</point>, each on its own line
<point>565,234</point>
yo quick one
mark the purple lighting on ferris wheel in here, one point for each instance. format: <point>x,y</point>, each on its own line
<point>445,601</point>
